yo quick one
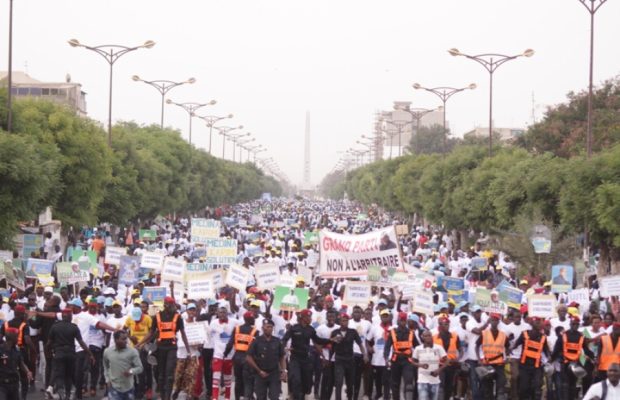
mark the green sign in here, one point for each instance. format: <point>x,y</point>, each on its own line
<point>147,234</point>
<point>311,238</point>
<point>86,258</point>
<point>289,299</point>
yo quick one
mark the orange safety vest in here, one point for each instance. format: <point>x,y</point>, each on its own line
<point>167,330</point>
<point>609,355</point>
<point>571,351</point>
<point>493,348</point>
<point>402,348</point>
<point>20,335</point>
<point>243,341</point>
<point>453,353</point>
<point>532,349</point>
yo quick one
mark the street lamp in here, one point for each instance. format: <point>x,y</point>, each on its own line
<point>369,146</point>
<point>444,93</point>
<point>223,130</point>
<point>191,109</point>
<point>256,151</point>
<point>251,149</point>
<point>9,100</point>
<point>211,120</point>
<point>111,53</point>
<point>592,8</point>
<point>163,87</point>
<point>400,125</point>
<point>234,137</point>
<point>491,61</point>
<point>241,144</point>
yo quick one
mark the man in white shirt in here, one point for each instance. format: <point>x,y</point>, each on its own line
<point>221,330</point>
<point>375,341</point>
<point>324,331</point>
<point>611,386</point>
<point>513,331</point>
<point>362,327</point>
<point>430,358</point>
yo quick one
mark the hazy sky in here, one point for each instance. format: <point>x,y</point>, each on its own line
<point>267,62</point>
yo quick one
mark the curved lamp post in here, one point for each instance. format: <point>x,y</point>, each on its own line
<point>191,109</point>
<point>211,120</point>
<point>163,87</point>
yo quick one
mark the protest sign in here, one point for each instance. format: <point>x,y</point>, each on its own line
<point>14,275</point>
<point>128,271</point>
<point>407,291</point>
<point>288,299</point>
<point>256,219</point>
<point>343,223</point>
<point>311,238</point>
<point>219,277</point>
<point>489,301</point>
<point>267,276</point>
<point>28,244</point>
<point>419,279</point>
<point>228,221</point>
<point>69,273</point>
<point>154,294</point>
<point>37,267</point>
<point>113,255</point>
<point>541,305</point>
<point>87,258</point>
<point>402,230</point>
<point>356,293</point>
<point>610,286</point>
<point>288,280</point>
<point>349,256</point>
<point>147,234</point>
<point>561,278</point>
<point>580,296</point>
<point>541,245</point>
<point>447,284</point>
<point>313,259</point>
<point>422,302</point>
<point>199,285</point>
<point>237,277</point>
<point>510,295</point>
<point>204,229</point>
<point>196,333</point>
<point>253,250</point>
<point>173,270</point>
<point>221,251</point>
<point>479,263</point>
<point>152,260</point>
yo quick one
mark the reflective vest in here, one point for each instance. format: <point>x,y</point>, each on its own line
<point>609,355</point>
<point>243,341</point>
<point>167,330</point>
<point>532,349</point>
<point>20,335</point>
<point>452,352</point>
<point>571,351</point>
<point>402,348</point>
<point>493,348</point>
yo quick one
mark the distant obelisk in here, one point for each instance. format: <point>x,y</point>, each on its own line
<point>306,183</point>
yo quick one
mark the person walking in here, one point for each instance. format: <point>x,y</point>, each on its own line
<point>121,364</point>
<point>431,359</point>
<point>533,342</point>
<point>240,341</point>
<point>401,340</point>
<point>266,357</point>
<point>11,366</point>
<point>494,345</point>
<point>451,345</point>
<point>344,356</point>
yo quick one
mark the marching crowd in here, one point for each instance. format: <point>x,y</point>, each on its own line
<point>104,339</point>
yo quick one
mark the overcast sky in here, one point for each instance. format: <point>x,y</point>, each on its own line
<point>267,62</point>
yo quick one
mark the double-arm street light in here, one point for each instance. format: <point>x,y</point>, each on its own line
<point>163,87</point>
<point>370,146</point>
<point>592,6</point>
<point>491,61</point>
<point>111,53</point>
<point>241,144</point>
<point>211,120</point>
<point>257,150</point>
<point>399,125</point>
<point>444,93</point>
<point>224,130</point>
<point>234,138</point>
<point>191,108</point>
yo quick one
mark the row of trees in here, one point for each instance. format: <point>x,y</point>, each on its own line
<point>54,158</point>
<point>466,190</point>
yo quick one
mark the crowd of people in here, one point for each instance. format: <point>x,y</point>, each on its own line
<point>102,338</point>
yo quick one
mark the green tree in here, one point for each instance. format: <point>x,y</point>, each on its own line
<point>429,140</point>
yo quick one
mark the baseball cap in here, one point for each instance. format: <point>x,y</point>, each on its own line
<point>523,282</point>
<point>463,315</point>
<point>136,313</point>
<point>413,317</point>
<point>109,291</point>
<point>476,308</point>
<point>108,302</point>
<point>268,321</point>
<point>48,289</point>
<point>76,303</point>
<point>191,306</point>
<point>169,300</point>
<point>385,312</point>
<point>382,301</point>
<point>402,316</point>
<point>117,303</point>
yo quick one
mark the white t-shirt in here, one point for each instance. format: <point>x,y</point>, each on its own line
<point>516,330</point>
<point>430,356</point>
<point>97,337</point>
<point>181,350</point>
<point>116,323</point>
<point>377,334</point>
<point>85,322</point>
<point>596,391</point>
<point>362,327</point>
<point>463,341</point>
<point>220,335</point>
<point>325,332</point>
<point>472,338</point>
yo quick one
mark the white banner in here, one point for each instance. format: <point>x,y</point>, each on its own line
<point>152,260</point>
<point>348,256</point>
<point>305,273</point>
<point>200,285</point>
<point>237,277</point>
<point>288,280</point>
<point>113,255</point>
<point>196,333</point>
<point>610,286</point>
<point>580,296</point>
<point>423,302</point>
<point>267,276</point>
<point>541,305</point>
<point>174,270</point>
<point>356,293</point>
<point>204,229</point>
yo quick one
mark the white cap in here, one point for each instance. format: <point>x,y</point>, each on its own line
<point>109,291</point>
<point>48,289</point>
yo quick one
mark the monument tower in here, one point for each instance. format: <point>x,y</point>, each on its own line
<point>307,185</point>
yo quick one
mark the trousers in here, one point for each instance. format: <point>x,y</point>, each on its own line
<point>221,369</point>
<point>402,369</point>
<point>269,387</point>
<point>530,382</point>
<point>166,364</point>
<point>300,376</point>
<point>343,373</point>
